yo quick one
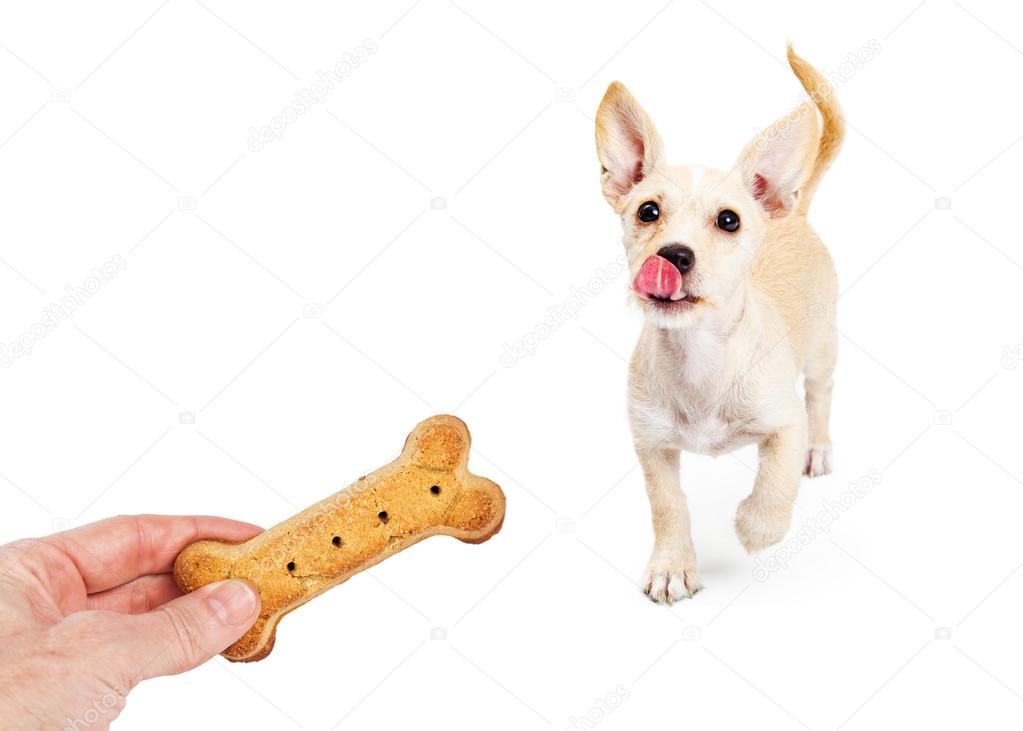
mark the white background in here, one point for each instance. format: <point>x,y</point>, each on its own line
<point>124,131</point>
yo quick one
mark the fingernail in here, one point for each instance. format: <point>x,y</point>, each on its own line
<point>233,602</point>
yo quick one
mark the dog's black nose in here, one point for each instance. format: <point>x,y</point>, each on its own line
<point>680,255</point>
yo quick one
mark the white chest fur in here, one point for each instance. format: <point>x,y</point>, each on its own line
<point>692,390</point>
<point>709,435</point>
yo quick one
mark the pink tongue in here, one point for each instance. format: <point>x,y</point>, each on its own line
<point>658,277</point>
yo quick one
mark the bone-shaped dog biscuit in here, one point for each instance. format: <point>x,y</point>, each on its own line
<point>428,490</point>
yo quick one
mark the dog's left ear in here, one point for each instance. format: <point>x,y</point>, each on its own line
<point>776,164</point>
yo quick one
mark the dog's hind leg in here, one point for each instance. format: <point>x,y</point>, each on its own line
<point>819,370</point>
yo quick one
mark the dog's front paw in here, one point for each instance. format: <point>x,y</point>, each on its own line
<point>818,460</point>
<point>760,525</point>
<point>670,580</point>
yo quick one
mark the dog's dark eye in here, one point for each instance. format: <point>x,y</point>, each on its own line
<point>648,212</point>
<point>728,221</point>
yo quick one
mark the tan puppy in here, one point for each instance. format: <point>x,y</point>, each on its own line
<point>738,295</point>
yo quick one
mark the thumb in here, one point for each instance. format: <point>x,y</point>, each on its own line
<point>186,632</point>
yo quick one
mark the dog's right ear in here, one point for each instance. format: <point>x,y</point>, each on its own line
<point>628,145</point>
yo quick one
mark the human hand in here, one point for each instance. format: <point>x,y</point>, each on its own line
<point>88,614</point>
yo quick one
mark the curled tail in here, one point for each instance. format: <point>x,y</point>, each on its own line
<point>833,132</point>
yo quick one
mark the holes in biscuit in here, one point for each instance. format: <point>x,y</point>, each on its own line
<point>435,489</point>
<point>291,566</point>
<point>383,516</point>
<point>336,540</point>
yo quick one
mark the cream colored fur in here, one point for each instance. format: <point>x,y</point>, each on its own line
<point>721,371</point>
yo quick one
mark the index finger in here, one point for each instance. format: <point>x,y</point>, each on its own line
<point>118,550</point>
